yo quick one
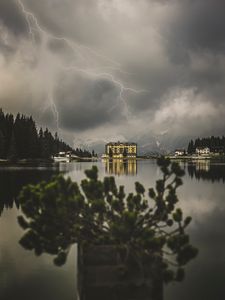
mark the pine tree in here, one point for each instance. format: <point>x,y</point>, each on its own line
<point>19,138</point>
<point>33,143</point>
<point>46,145</point>
<point>191,148</point>
<point>12,153</point>
<point>56,144</point>
<point>2,144</point>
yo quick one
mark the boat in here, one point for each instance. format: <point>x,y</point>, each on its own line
<point>62,157</point>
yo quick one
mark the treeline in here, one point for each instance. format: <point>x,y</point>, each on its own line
<point>20,139</point>
<point>215,144</point>
<point>214,173</point>
<point>11,184</point>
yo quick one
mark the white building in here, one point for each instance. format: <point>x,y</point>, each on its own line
<point>202,150</point>
<point>179,152</point>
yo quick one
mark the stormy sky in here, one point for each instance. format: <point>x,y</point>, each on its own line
<point>101,70</point>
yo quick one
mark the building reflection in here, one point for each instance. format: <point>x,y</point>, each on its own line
<point>120,167</point>
<point>206,170</point>
<point>203,165</point>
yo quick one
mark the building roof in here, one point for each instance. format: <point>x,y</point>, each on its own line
<point>202,148</point>
<point>121,143</point>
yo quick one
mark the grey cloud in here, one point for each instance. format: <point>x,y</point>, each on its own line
<point>78,19</point>
<point>163,46</point>
<point>6,50</point>
<point>11,17</point>
<point>84,103</point>
<point>201,25</point>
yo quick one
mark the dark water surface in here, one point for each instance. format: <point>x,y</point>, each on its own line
<point>25,276</point>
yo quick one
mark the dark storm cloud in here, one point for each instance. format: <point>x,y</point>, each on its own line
<point>201,24</point>
<point>173,51</point>
<point>11,17</point>
<point>195,44</point>
<point>94,105</point>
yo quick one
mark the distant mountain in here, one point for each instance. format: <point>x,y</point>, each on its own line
<point>98,145</point>
<point>147,143</point>
<point>162,143</point>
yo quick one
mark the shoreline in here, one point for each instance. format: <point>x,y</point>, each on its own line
<point>51,163</point>
<point>25,161</point>
<point>28,164</point>
<point>197,158</point>
<point>38,162</point>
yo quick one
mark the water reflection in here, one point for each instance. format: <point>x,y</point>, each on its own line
<point>12,180</point>
<point>103,276</point>
<point>120,167</point>
<point>25,277</point>
<point>206,170</point>
<point>123,252</point>
<point>104,272</point>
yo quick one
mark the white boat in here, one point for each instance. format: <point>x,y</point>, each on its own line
<point>62,157</point>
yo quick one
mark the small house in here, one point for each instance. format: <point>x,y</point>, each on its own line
<point>202,150</point>
<point>179,152</point>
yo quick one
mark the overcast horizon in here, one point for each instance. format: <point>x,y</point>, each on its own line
<point>106,70</point>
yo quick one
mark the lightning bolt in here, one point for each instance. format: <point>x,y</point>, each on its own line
<point>122,88</point>
<point>53,107</point>
<point>85,54</point>
<point>33,25</point>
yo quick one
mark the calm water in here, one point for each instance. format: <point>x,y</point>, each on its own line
<point>24,276</point>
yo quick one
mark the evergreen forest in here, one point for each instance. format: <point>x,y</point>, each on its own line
<point>215,144</point>
<point>20,139</point>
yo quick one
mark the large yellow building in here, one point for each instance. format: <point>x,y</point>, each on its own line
<point>120,150</point>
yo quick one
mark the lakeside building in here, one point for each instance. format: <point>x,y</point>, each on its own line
<point>180,152</point>
<point>202,150</point>
<point>119,150</point>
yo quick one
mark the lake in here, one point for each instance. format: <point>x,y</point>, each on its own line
<point>25,276</point>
